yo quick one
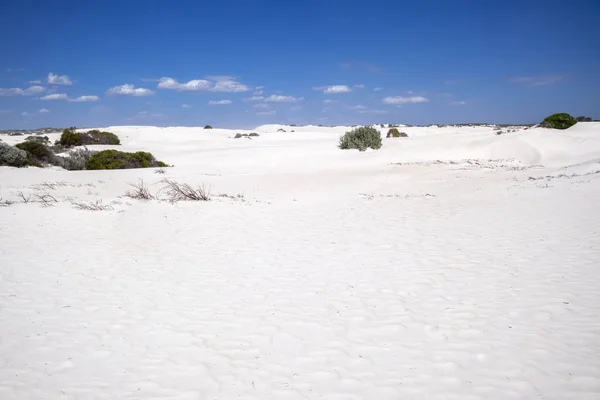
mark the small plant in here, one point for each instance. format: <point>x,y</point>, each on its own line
<point>114,159</point>
<point>12,156</point>
<point>361,138</point>
<point>558,121</point>
<point>160,171</point>
<point>583,119</point>
<point>208,127</point>
<point>91,206</point>
<point>183,191</point>
<point>394,132</point>
<point>139,191</point>
<point>6,203</point>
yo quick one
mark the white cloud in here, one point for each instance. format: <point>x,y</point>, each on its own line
<point>405,100</point>
<point>22,92</point>
<point>225,84</point>
<point>378,89</point>
<point>194,85</point>
<point>219,102</point>
<point>59,79</point>
<point>272,112</point>
<point>82,99</point>
<point>55,96</point>
<point>158,115</point>
<point>333,89</point>
<point>359,86</point>
<point>63,96</point>
<point>537,80</point>
<point>262,106</point>
<point>35,82</point>
<point>43,110</point>
<point>282,99</point>
<point>229,87</point>
<point>255,98</point>
<point>329,101</point>
<point>186,106</point>
<point>358,107</point>
<point>129,90</point>
<point>258,93</point>
<point>259,87</point>
<point>296,108</point>
<point>458,103</point>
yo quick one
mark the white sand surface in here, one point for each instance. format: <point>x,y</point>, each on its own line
<point>452,264</point>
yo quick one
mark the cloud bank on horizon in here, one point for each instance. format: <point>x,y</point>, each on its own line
<point>275,72</point>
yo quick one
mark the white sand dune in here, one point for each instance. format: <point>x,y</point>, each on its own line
<point>453,264</point>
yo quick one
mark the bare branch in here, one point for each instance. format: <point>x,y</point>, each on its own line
<point>139,191</point>
<point>91,206</point>
<point>183,191</point>
<point>24,199</point>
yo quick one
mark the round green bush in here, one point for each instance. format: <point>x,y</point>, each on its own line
<point>361,139</point>
<point>558,121</point>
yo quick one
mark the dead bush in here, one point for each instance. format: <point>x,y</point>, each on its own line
<point>139,191</point>
<point>182,191</point>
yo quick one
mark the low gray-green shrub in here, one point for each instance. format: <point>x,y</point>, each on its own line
<point>12,156</point>
<point>114,159</point>
<point>361,139</point>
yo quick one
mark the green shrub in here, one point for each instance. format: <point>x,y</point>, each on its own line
<point>114,159</point>
<point>583,119</point>
<point>208,127</point>
<point>396,133</point>
<point>69,139</point>
<point>100,137</point>
<point>558,121</point>
<point>361,138</point>
<point>38,153</point>
<point>12,156</point>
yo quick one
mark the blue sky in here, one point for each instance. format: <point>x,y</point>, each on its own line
<point>243,63</point>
